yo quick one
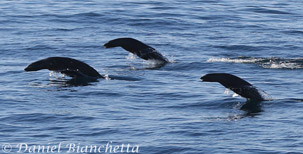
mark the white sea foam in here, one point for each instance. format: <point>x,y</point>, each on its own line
<point>170,59</point>
<point>284,65</point>
<point>235,95</point>
<point>131,56</point>
<point>107,77</point>
<point>271,63</point>
<point>263,94</point>
<point>233,60</point>
<point>56,75</point>
<point>228,92</point>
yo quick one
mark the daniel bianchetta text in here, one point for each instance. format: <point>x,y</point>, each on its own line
<point>70,148</point>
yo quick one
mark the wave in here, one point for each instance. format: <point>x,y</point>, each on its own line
<point>266,10</point>
<point>270,63</point>
<point>241,47</point>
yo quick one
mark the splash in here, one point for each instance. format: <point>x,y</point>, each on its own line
<point>131,56</point>
<point>171,59</point>
<point>56,75</point>
<point>106,77</point>
<point>282,65</point>
<point>234,60</point>
<point>235,95</point>
<point>269,63</point>
<point>228,92</point>
<point>253,90</point>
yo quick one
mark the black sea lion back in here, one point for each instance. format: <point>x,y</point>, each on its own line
<point>236,84</point>
<point>65,65</point>
<point>136,47</point>
<point>227,80</point>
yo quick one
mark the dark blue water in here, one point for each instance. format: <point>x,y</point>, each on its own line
<point>160,110</point>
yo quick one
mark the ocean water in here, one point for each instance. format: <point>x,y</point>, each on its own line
<point>165,110</point>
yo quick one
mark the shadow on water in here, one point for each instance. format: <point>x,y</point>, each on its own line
<point>83,81</point>
<point>156,66</point>
<point>148,66</point>
<point>252,108</point>
<point>74,82</point>
<point>123,78</point>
